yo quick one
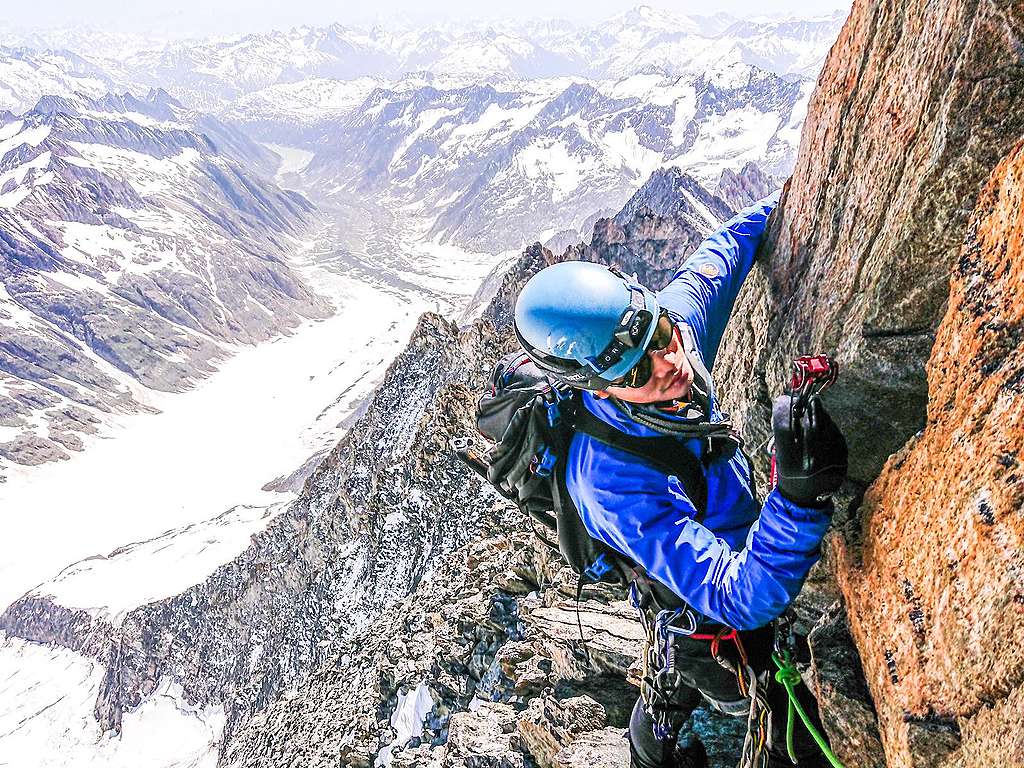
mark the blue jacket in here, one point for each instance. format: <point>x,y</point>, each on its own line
<point>745,563</point>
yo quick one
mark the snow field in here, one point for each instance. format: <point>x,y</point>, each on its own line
<point>210,449</point>
<point>148,174</point>
<point>109,587</point>
<point>13,136</point>
<point>46,699</point>
<point>293,160</point>
<point>260,417</point>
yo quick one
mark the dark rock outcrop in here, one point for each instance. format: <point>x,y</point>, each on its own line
<point>747,186</point>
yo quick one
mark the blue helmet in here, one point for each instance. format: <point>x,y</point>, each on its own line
<point>585,324</point>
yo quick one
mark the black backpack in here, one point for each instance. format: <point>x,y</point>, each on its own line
<point>531,423</point>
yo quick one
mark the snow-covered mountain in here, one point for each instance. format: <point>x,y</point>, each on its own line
<point>470,149</point>
<point>499,165</point>
<point>298,113</point>
<point>26,75</point>
<point>787,48</point>
<point>642,40</point>
<point>138,242</point>
<point>211,74</point>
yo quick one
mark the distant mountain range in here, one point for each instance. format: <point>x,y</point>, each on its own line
<point>500,166</point>
<point>210,74</point>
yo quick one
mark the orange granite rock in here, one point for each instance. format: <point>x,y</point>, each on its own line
<point>935,593</point>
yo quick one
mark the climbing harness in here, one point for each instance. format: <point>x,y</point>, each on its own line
<point>661,680</point>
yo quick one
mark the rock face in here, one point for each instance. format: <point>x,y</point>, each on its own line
<point>936,592</point>
<point>914,125</point>
<point>912,111</point>
<point>748,186</point>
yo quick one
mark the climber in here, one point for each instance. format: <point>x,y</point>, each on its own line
<point>641,361</point>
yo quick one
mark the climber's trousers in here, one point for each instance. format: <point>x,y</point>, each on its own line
<point>703,675</point>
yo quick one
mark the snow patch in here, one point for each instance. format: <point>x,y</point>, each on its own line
<point>624,147</point>
<point>407,720</point>
<point>293,159</point>
<point>148,174</point>
<point>426,120</point>
<point>554,164</point>
<point>33,136</point>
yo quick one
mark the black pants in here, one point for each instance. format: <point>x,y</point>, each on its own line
<point>702,674</point>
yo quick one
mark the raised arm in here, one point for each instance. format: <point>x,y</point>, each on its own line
<point>631,508</point>
<point>704,289</point>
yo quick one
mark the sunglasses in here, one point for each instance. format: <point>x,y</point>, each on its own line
<point>640,373</point>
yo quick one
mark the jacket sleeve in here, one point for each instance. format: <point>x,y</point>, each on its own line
<point>631,508</point>
<point>704,289</point>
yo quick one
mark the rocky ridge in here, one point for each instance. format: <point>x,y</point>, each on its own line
<point>492,622</point>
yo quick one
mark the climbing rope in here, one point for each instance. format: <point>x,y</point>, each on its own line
<point>789,677</point>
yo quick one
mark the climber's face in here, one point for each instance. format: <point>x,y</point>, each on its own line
<point>671,376</point>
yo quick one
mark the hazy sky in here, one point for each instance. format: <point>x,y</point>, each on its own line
<point>202,17</point>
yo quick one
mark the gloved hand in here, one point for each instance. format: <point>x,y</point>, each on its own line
<point>810,454</point>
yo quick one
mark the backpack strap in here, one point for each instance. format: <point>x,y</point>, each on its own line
<point>590,558</point>
<point>666,453</point>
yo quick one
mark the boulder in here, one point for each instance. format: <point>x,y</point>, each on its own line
<point>485,738</point>
<point>549,725</point>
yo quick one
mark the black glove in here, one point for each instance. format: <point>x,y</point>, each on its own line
<point>810,453</point>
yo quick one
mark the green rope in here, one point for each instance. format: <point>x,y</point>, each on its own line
<point>789,677</point>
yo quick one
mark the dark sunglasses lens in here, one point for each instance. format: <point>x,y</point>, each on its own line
<point>662,334</point>
<point>641,372</point>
